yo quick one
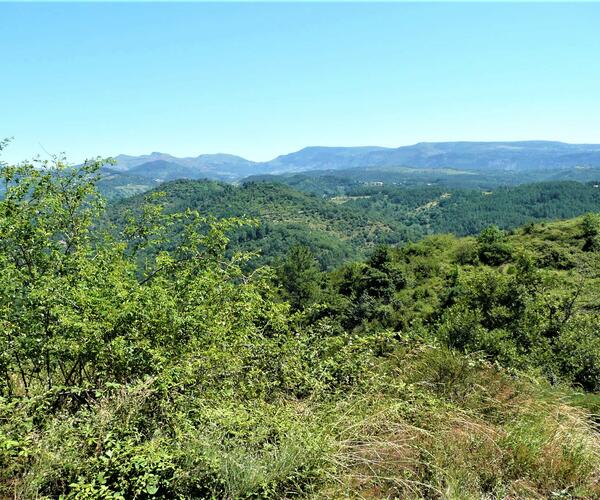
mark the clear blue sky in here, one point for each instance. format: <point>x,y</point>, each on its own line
<point>264,79</point>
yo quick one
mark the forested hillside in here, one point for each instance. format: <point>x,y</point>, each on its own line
<point>447,368</point>
<point>115,185</point>
<point>350,225</point>
<point>468,211</point>
<point>342,181</point>
<point>284,217</point>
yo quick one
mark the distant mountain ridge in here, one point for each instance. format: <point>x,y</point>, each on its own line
<point>518,156</point>
<point>206,165</point>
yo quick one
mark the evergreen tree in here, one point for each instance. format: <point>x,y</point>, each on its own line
<point>300,277</point>
<point>591,232</point>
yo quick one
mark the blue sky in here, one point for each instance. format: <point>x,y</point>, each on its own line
<point>263,79</point>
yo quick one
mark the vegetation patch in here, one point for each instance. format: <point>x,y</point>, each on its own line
<point>151,359</point>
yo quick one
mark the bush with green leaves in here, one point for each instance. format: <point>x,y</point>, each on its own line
<point>492,246</point>
<point>115,352</point>
<point>77,312</point>
<point>590,226</point>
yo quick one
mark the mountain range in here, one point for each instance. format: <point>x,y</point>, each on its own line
<point>476,156</point>
<point>458,164</point>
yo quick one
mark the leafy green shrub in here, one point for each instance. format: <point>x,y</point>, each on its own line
<point>590,226</point>
<point>493,247</point>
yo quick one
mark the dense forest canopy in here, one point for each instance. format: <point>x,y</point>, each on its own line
<point>349,226</point>
<point>144,357</point>
<point>340,182</point>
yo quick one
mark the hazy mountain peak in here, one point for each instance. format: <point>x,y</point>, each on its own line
<point>466,155</point>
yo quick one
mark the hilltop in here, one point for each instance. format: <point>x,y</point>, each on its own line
<point>286,216</point>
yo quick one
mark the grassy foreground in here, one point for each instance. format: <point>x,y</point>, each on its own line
<point>424,423</point>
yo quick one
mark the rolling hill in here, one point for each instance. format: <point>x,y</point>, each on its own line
<point>351,225</point>
<point>287,217</point>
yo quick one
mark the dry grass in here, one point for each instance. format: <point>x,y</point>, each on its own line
<point>482,436</point>
<point>430,423</point>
